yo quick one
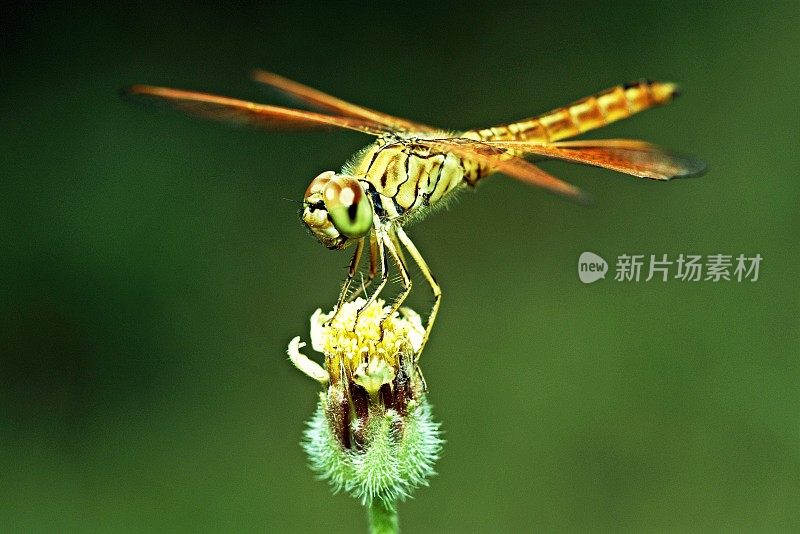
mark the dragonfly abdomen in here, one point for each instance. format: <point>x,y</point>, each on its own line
<point>589,113</point>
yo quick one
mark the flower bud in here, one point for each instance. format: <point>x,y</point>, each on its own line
<point>372,434</point>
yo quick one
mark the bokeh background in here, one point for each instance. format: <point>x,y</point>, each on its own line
<point>153,272</point>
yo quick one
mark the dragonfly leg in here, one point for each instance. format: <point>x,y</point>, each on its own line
<point>398,248</point>
<point>373,267</point>
<point>384,267</point>
<point>386,242</point>
<point>397,256</point>
<point>351,272</point>
<point>373,256</point>
<point>426,272</point>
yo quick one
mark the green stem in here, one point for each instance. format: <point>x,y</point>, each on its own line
<point>382,519</point>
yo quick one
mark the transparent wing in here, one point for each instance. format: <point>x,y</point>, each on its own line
<point>499,159</point>
<point>231,110</point>
<point>330,103</point>
<point>629,156</point>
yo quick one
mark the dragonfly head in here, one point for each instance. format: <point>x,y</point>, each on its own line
<point>336,210</point>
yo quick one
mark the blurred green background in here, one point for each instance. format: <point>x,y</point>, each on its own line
<point>153,272</point>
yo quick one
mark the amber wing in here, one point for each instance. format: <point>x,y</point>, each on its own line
<point>231,110</point>
<point>326,102</point>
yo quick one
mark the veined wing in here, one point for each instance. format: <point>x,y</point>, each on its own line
<point>330,103</point>
<point>224,109</point>
<point>500,159</point>
<point>629,156</point>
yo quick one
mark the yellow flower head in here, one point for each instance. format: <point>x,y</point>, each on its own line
<point>366,347</point>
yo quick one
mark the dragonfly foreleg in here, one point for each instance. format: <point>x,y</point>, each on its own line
<point>426,272</point>
<point>351,272</point>
<point>373,267</point>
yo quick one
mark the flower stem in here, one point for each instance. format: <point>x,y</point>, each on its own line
<point>382,518</point>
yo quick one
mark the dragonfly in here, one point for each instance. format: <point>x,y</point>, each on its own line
<point>410,168</point>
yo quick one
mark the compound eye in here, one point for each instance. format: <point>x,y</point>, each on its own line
<point>319,183</point>
<point>348,206</point>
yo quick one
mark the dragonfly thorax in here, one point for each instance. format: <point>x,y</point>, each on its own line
<point>336,210</point>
